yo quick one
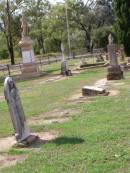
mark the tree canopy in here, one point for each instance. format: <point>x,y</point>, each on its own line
<point>48,23</point>
<point>122,11</point>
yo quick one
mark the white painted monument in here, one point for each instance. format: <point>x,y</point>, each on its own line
<point>26,44</point>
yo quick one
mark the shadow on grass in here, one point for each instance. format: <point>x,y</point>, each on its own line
<point>53,70</point>
<point>68,140</point>
<point>58,141</point>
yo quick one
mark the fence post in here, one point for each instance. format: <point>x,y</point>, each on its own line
<point>48,59</point>
<point>56,58</point>
<point>8,69</point>
<point>20,67</point>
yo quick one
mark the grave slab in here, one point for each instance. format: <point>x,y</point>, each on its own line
<point>93,91</point>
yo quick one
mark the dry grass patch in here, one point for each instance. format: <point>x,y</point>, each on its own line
<point>8,160</point>
<point>54,116</point>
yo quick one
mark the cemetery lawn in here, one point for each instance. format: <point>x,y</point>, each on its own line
<point>95,140</point>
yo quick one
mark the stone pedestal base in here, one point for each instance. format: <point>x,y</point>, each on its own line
<point>114,73</point>
<point>28,141</point>
<point>66,73</point>
<point>29,68</point>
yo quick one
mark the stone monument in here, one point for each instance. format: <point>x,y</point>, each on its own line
<point>64,63</point>
<point>114,69</point>
<point>22,133</point>
<point>28,58</point>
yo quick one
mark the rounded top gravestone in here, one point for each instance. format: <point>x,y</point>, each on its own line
<point>16,110</point>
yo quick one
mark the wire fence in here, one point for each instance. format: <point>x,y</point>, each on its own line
<point>41,61</point>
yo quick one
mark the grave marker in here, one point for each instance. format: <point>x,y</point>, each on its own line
<point>22,133</point>
<point>28,58</point>
<point>114,69</point>
<point>64,63</point>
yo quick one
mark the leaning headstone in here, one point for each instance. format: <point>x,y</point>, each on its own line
<point>114,69</point>
<point>22,133</point>
<point>64,63</point>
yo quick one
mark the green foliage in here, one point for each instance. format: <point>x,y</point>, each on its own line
<point>122,10</point>
<point>48,25</point>
<point>100,36</point>
<point>4,54</point>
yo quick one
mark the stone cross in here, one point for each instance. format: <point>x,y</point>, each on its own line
<point>16,110</point>
<point>24,26</point>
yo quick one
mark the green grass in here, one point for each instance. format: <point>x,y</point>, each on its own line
<point>97,140</point>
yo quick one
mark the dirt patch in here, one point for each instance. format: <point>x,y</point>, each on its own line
<point>40,121</point>
<point>102,83</point>
<point>7,160</point>
<point>2,98</point>
<point>118,84</point>
<point>9,142</point>
<point>79,98</point>
<point>48,136</point>
<point>54,116</point>
<point>53,79</point>
<point>114,92</point>
<point>6,143</point>
<point>107,84</point>
<point>43,138</point>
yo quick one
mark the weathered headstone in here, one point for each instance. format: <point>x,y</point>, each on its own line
<point>12,97</point>
<point>93,91</point>
<point>114,69</point>
<point>28,58</point>
<point>64,63</point>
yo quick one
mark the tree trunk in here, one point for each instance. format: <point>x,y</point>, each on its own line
<point>9,35</point>
<point>42,44</point>
<point>87,41</point>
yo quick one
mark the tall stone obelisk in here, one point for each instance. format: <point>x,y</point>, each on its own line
<point>28,58</point>
<point>114,69</point>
